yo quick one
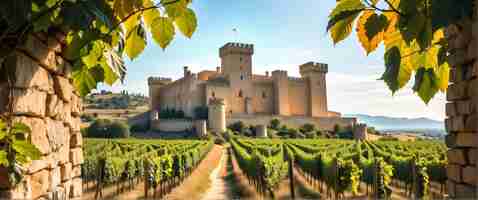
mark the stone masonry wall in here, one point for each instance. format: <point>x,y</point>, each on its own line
<point>44,99</point>
<point>462,110</point>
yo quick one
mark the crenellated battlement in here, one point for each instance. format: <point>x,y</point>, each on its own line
<point>279,73</point>
<point>159,80</point>
<point>314,67</point>
<point>234,47</point>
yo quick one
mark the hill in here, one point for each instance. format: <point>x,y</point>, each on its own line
<point>395,124</point>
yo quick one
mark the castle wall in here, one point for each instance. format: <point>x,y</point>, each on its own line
<point>263,98</point>
<point>298,97</point>
<point>324,123</point>
<point>172,125</point>
<point>184,94</point>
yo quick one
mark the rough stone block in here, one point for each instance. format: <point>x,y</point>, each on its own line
<point>76,107</point>
<point>54,178</point>
<point>450,109</point>
<point>67,186</point>
<point>76,156</point>
<point>472,50</point>
<point>456,156</point>
<point>473,156</point>
<point>454,124</point>
<point>457,91</point>
<point>75,124</point>
<point>453,172</point>
<point>66,114</point>
<point>66,171</point>
<point>57,134</point>
<point>467,140</point>
<point>39,52</point>
<point>76,140</point>
<point>464,107</point>
<point>29,74</point>
<point>470,175</point>
<point>38,135</point>
<point>471,123</point>
<point>76,188</point>
<point>54,106</point>
<point>63,88</point>
<point>22,191</point>
<point>40,183</point>
<point>29,102</point>
<point>457,57</point>
<point>76,171</point>
<point>450,185</point>
<point>464,191</point>
<point>37,165</point>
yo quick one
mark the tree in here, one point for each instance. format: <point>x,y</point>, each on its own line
<point>274,124</point>
<point>412,32</point>
<point>307,127</point>
<point>98,32</point>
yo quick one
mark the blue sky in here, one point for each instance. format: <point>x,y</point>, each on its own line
<point>285,34</point>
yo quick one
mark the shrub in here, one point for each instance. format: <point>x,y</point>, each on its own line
<point>306,128</point>
<point>274,124</point>
<point>238,126</point>
<point>87,117</point>
<point>141,128</point>
<point>103,128</point>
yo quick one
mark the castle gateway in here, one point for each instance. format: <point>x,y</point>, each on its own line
<point>252,98</point>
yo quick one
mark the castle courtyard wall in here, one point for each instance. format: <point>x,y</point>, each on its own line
<point>298,96</point>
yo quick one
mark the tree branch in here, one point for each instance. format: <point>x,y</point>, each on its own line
<point>393,8</point>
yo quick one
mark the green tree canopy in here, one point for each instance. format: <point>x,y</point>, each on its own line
<point>98,32</point>
<point>412,32</point>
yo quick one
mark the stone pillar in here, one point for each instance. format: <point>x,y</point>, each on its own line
<point>44,98</point>
<point>201,129</point>
<point>462,110</point>
<point>217,115</point>
<point>261,131</point>
<point>360,131</point>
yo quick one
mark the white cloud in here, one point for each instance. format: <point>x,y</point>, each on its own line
<point>355,93</point>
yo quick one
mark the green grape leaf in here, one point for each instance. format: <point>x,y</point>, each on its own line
<point>443,75</point>
<point>342,29</point>
<point>94,54</point>
<point>175,8</point>
<point>369,44</point>
<point>26,149</point>
<point>135,42</point>
<point>20,128</point>
<point>151,14</point>
<point>375,24</point>
<point>346,5</point>
<point>340,17</point>
<point>163,31</point>
<point>116,67</point>
<point>425,84</point>
<point>187,23</point>
<point>84,79</point>
<point>392,68</point>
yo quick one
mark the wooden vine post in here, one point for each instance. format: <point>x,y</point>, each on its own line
<point>291,176</point>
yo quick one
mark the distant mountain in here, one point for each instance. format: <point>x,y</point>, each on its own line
<point>394,123</point>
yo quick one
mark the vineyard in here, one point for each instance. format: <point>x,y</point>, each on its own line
<point>160,164</point>
<point>345,168</point>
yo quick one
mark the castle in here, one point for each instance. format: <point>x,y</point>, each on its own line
<point>250,97</point>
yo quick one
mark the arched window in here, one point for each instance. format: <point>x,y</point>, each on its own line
<point>213,94</point>
<point>240,58</point>
<point>264,95</point>
<point>242,77</point>
<point>240,93</point>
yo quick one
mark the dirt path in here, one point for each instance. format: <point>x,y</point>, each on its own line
<point>219,187</point>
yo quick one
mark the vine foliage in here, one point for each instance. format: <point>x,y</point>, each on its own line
<point>412,32</point>
<point>99,33</point>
